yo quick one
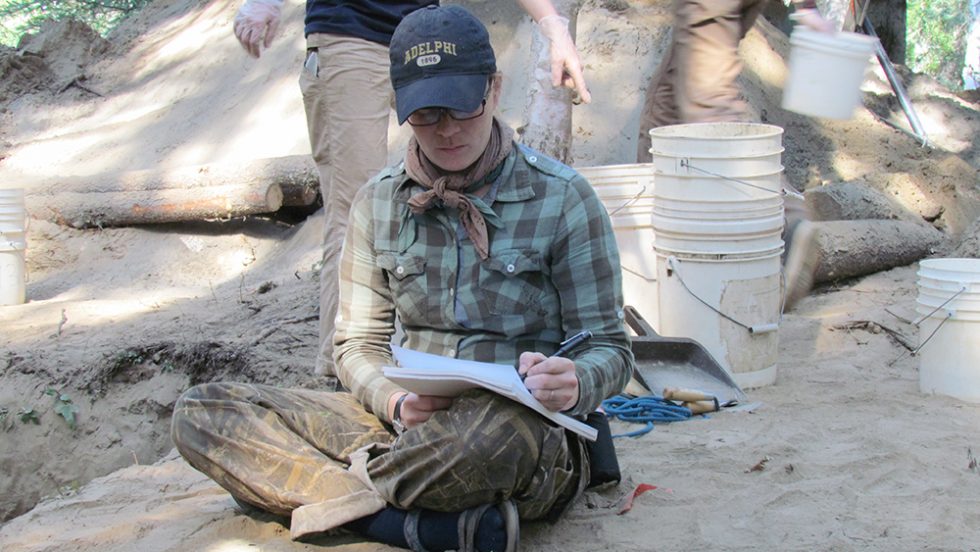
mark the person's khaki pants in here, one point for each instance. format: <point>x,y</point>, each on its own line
<point>347,101</point>
<point>696,79</point>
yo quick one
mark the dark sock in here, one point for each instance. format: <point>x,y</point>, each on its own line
<point>386,526</point>
<point>437,530</point>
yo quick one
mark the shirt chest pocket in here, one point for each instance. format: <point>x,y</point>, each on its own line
<point>514,282</point>
<point>408,282</point>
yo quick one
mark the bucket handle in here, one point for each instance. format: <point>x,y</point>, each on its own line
<point>630,201</point>
<point>754,329</point>
<point>686,163</point>
<point>949,314</point>
<point>4,237</point>
<point>638,274</point>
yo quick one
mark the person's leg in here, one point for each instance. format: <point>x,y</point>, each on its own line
<point>485,449</point>
<point>286,451</point>
<point>660,106</point>
<point>277,449</point>
<point>801,255</point>
<point>347,106</point>
<point>706,40</point>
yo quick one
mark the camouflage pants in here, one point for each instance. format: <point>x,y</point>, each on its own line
<point>288,451</point>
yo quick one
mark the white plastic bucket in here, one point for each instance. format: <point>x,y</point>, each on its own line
<point>730,304</point>
<point>722,140</point>
<point>12,213</point>
<point>627,193</point>
<point>13,290</point>
<point>709,188</point>
<point>825,72</point>
<point>718,220</point>
<point>735,237</point>
<point>949,327</point>
<point>13,244</point>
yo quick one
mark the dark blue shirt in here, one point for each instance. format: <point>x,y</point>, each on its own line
<point>373,20</point>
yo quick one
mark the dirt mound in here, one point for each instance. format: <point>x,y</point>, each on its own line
<point>50,60</point>
<point>21,73</point>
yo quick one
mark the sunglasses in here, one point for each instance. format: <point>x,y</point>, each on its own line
<point>431,115</point>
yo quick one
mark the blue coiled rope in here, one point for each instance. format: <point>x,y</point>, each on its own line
<point>646,409</point>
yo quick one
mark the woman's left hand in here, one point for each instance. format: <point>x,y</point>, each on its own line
<point>552,380</point>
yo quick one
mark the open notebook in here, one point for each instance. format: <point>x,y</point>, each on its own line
<point>428,374</point>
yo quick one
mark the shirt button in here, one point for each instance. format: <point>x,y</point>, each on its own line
<point>452,352</point>
<point>400,270</point>
<point>511,268</point>
<point>452,292</point>
<point>532,159</point>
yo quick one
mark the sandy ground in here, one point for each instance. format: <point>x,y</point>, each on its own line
<point>843,453</point>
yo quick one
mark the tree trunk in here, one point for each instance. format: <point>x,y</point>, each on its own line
<point>548,112</point>
<point>850,248</point>
<point>971,60</point>
<point>889,20</point>
<point>182,194</point>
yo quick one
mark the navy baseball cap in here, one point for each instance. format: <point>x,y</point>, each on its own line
<point>440,57</point>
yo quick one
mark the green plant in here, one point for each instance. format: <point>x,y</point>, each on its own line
<point>19,17</point>
<point>130,357</point>
<point>936,32</point>
<point>63,406</point>
<point>27,415</point>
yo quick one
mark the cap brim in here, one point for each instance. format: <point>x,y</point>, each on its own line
<point>461,92</point>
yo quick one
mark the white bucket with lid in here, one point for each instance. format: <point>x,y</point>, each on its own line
<point>13,244</point>
<point>718,220</point>
<point>948,304</point>
<point>825,72</point>
<point>627,193</point>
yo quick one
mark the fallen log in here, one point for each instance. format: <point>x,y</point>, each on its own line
<point>850,248</point>
<point>180,194</point>
<point>855,201</point>
<point>101,209</point>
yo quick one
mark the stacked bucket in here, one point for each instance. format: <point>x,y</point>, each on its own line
<point>627,192</point>
<point>718,222</point>
<point>13,244</point>
<point>948,305</point>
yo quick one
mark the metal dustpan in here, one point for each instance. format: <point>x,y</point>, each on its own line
<point>663,362</point>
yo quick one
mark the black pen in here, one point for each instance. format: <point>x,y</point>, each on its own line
<point>565,346</point>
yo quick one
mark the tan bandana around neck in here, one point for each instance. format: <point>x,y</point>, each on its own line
<point>449,188</point>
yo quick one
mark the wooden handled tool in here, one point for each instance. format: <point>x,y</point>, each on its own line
<point>687,395</point>
<point>701,407</point>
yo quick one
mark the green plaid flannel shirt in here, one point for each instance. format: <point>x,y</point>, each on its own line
<point>553,271</point>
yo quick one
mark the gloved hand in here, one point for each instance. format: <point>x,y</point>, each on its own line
<point>812,19</point>
<point>256,24</point>
<point>566,69</point>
